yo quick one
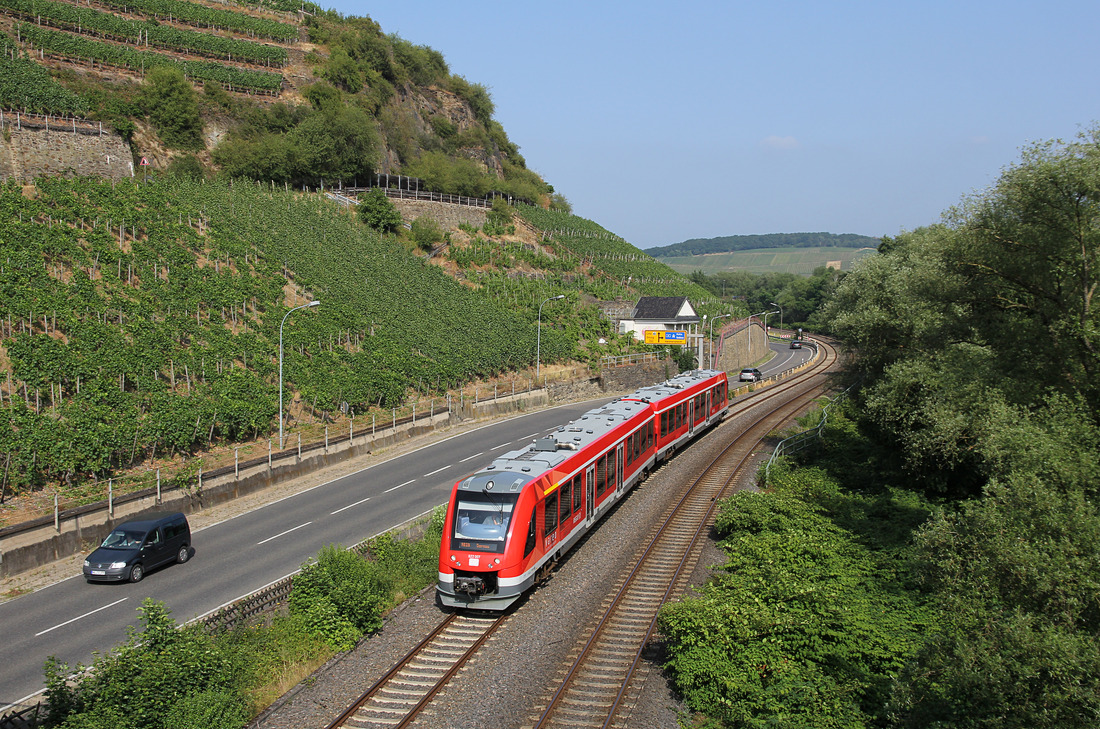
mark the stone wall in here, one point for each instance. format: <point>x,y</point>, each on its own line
<point>447,215</point>
<point>743,348</point>
<point>26,153</point>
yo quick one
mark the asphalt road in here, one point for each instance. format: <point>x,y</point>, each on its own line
<point>72,620</point>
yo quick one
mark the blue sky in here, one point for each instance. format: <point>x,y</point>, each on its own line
<point>669,121</point>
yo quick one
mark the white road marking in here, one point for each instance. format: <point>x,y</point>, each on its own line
<point>405,484</point>
<point>472,457</point>
<point>93,612</point>
<point>437,471</point>
<point>502,445</point>
<point>345,508</point>
<point>288,531</point>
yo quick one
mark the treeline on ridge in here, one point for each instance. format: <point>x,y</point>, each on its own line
<point>729,243</point>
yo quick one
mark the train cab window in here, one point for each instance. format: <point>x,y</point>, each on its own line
<point>481,520</point>
<point>550,524</point>
<point>578,491</point>
<point>566,501</point>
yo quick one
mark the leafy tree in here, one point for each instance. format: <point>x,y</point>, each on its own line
<point>337,145</point>
<point>376,211</point>
<point>173,108</point>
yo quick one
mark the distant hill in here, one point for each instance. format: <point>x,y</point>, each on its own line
<point>730,243</point>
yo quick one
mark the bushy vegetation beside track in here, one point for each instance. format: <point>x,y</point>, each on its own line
<point>975,345</point>
<point>815,612</point>
<point>170,677</point>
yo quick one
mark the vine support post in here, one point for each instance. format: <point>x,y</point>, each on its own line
<point>303,306</point>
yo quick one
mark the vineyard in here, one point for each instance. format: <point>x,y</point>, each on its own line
<point>139,321</point>
<point>619,269</point>
<point>27,86</point>
<point>143,33</point>
<point>210,18</point>
<point>81,49</point>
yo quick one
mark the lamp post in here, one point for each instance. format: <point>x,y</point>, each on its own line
<point>766,313</point>
<point>780,313</point>
<point>538,340</point>
<point>303,306</point>
<point>711,337</point>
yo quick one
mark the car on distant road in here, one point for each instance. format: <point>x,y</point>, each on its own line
<point>135,547</point>
<point>751,374</point>
<point>796,344</point>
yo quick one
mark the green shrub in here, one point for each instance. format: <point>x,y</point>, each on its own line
<point>426,232</point>
<point>376,211</point>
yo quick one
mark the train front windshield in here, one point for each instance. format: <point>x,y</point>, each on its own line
<point>481,521</point>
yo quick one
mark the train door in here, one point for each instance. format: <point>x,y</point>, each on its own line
<point>691,416</point>
<point>710,404</point>
<point>619,480</point>
<point>590,494</point>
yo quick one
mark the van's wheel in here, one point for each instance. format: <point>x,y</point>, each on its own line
<point>183,554</point>
<point>136,573</point>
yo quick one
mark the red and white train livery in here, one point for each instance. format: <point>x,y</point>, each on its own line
<point>508,523</point>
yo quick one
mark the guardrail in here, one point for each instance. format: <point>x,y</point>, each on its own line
<point>800,441</point>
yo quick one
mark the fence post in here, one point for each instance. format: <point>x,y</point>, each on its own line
<point>395,421</point>
<point>414,413</point>
<point>299,446</point>
<point>326,439</point>
<point>372,426</point>
<point>269,454</point>
<point>236,464</point>
<point>158,485</point>
<point>56,515</point>
<point>110,497</point>
<point>351,431</point>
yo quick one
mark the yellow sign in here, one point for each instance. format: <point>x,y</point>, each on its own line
<point>660,336</point>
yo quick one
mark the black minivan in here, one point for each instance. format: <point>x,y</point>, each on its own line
<point>135,547</point>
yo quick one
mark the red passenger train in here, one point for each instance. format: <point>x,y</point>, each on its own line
<point>508,523</point>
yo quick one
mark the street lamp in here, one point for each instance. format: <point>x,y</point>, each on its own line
<point>538,341</point>
<point>780,313</point>
<point>303,306</point>
<point>766,313</point>
<point>711,337</point>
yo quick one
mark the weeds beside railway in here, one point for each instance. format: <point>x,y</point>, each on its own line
<point>170,677</point>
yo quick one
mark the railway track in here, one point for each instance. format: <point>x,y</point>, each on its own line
<point>597,686</point>
<point>397,698</point>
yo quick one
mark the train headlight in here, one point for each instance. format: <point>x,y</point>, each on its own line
<point>452,558</point>
<point>496,561</point>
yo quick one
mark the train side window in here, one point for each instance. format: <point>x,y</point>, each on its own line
<point>611,471</point>
<point>578,491</point>
<point>530,543</point>
<point>601,475</point>
<point>566,501</point>
<point>551,514</point>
